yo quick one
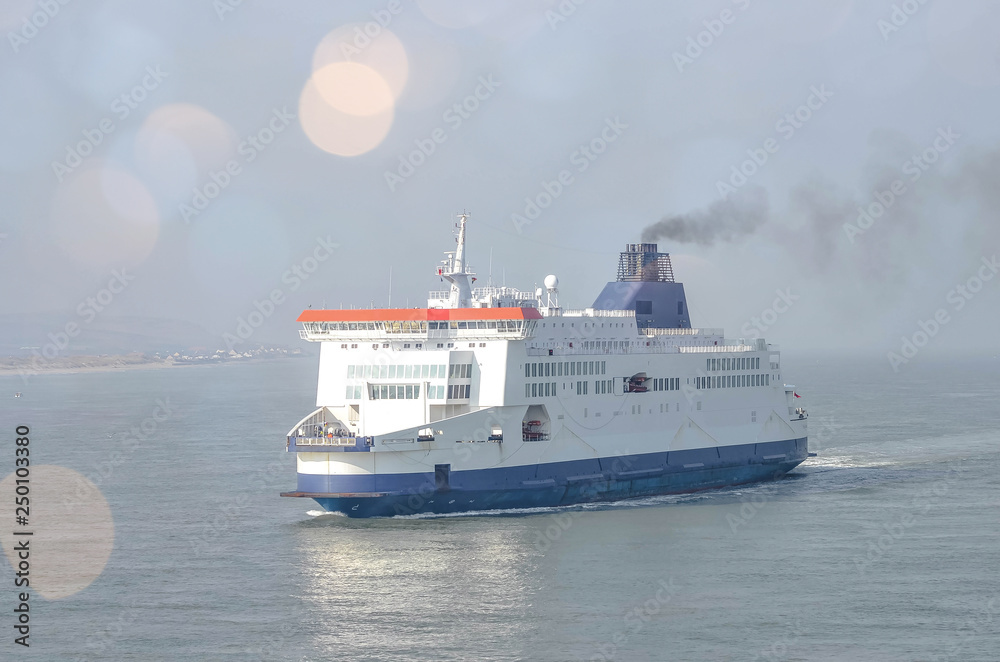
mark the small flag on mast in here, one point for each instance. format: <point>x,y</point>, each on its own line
<point>796,394</point>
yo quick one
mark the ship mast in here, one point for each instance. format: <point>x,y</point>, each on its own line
<point>456,271</point>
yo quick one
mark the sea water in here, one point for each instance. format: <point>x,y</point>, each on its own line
<point>886,546</point>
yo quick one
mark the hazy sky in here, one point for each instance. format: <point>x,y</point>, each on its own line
<point>116,117</point>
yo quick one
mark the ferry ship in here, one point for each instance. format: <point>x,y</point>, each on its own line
<point>496,398</point>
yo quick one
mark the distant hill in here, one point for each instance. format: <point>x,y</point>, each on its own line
<point>105,335</point>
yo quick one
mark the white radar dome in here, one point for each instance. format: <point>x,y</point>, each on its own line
<point>551,282</point>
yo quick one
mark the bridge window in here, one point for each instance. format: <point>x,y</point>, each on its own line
<point>458,391</point>
<point>391,392</point>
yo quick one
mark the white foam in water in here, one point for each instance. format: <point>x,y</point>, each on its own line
<point>844,462</point>
<point>323,513</point>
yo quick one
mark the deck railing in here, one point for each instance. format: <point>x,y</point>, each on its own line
<point>331,441</point>
<point>650,331</point>
<point>597,312</point>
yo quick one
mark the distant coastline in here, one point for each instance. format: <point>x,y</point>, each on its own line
<point>134,361</point>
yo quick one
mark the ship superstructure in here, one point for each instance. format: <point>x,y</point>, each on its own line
<point>495,398</point>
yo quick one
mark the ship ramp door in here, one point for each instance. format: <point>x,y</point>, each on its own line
<point>442,477</point>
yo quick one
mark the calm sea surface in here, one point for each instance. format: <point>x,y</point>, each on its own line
<point>885,547</point>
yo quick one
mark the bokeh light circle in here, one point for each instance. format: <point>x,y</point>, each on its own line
<point>353,42</point>
<point>105,218</point>
<point>353,88</point>
<point>177,147</point>
<point>336,130</point>
<point>73,532</point>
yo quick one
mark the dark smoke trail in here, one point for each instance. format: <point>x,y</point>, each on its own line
<point>725,220</point>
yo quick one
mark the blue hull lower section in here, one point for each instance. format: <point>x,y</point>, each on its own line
<point>556,483</point>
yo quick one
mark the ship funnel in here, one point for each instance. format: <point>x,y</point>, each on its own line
<point>642,262</point>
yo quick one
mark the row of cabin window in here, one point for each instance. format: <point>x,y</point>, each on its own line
<point>409,392</point>
<point>500,325</point>
<point>394,391</point>
<point>456,370</point>
<point>742,363</point>
<point>732,381</point>
<point>542,390</point>
<point>601,387</point>
<point>547,389</point>
<point>396,371</point>
<point>667,384</point>
<point>565,368</point>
